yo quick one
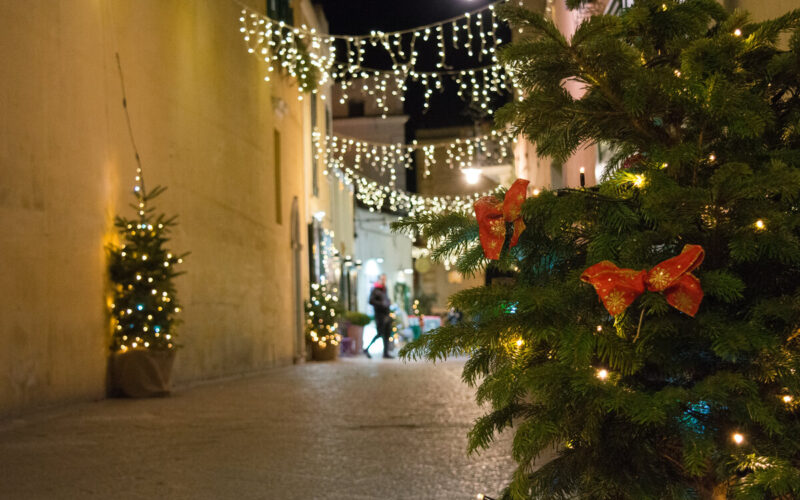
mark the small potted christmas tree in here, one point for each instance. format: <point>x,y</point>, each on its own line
<point>144,304</point>
<point>322,327</point>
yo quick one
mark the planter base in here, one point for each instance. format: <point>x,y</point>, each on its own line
<point>356,332</point>
<point>140,373</point>
<point>328,353</point>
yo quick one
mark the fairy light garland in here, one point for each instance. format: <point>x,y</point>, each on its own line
<point>314,58</point>
<point>384,158</point>
<point>377,195</point>
<point>300,52</point>
<point>477,86</point>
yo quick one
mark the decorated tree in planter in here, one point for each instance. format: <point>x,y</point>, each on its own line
<point>649,344</point>
<point>144,305</point>
<point>322,325</point>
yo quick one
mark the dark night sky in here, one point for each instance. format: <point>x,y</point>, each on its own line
<point>358,17</point>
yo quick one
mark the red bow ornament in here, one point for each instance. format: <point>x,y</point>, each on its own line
<point>618,288</point>
<point>492,215</point>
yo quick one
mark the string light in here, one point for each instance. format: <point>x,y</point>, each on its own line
<point>760,225</point>
<point>496,147</point>
<point>602,374</point>
<point>314,58</point>
<point>137,319</point>
<point>639,180</point>
<point>787,398</point>
<point>477,86</point>
<point>377,195</point>
<point>737,438</point>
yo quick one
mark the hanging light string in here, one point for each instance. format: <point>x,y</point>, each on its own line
<point>138,188</point>
<point>380,194</point>
<point>376,195</point>
<point>476,86</point>
<point>496,147</point>
<point>312,58</point>
<point>421,31</point>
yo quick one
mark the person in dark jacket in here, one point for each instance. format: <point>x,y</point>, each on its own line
<point>379,300</point>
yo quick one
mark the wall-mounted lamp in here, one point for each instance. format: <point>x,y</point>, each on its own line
<point>472,175</point>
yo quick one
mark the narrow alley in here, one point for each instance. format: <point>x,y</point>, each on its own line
<point>355,429</point>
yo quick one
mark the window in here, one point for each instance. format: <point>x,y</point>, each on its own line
<point>278,186</point>
<point>355,108</point>
<point>556,175</point>
<point>617,6</point>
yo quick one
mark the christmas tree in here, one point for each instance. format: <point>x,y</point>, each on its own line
<point>142,271</point>
<point>322,315</point>
<point>650,339</point>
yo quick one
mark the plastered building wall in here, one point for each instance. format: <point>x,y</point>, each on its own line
<point>205,127</point>
<point>761,10</point>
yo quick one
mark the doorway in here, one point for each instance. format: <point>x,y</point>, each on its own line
<point>297,273</point>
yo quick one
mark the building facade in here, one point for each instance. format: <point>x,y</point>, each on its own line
<point>234,151</point>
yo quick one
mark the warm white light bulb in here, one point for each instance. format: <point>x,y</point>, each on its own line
<point>738,438</point>
<point>602,374</point>
<point>472,175</point>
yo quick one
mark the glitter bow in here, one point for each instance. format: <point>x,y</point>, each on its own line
<point>618,288</point>
<point>492,215</point>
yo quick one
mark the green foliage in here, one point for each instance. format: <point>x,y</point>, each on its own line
<point>356,318</point>
<point>322,315</point>
<point>142,271</point>
<point>705,107</point>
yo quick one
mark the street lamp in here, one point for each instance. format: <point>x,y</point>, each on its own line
<point>472,175</point>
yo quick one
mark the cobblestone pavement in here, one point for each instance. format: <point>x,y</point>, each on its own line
<point>354,429</point>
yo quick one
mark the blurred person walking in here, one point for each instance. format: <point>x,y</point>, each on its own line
<point>379,300</point>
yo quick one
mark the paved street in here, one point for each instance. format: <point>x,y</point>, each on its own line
<point>354,429</point>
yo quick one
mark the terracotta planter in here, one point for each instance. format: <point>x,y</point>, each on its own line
<point>328,353</point>
<point>141,373</point>
<point>356,332</point>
